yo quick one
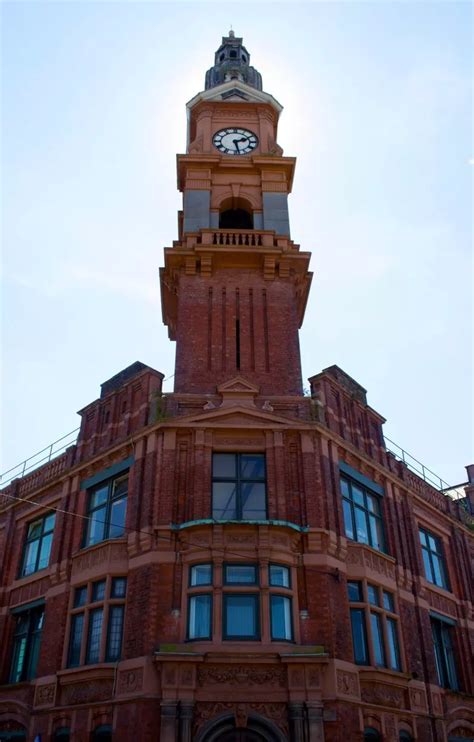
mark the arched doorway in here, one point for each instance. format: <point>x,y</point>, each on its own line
<point>235,213</point>
<point>256,729</point>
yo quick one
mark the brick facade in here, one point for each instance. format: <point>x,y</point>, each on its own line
<point>233,301</point>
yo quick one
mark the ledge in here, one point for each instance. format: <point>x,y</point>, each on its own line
<point>212,522</point>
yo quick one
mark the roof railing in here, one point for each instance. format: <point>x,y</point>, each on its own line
<point>38,459</point>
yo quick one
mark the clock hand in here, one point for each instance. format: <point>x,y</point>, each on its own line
<point>238,141</point>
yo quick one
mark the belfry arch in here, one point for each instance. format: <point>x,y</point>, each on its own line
<point>236,213</point>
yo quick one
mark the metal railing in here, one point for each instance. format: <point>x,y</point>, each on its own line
<point>456,492</point>
<point>39,459</point>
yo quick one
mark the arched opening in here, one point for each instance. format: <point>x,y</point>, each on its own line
<point>371,735</point>
<point>62,734</point>
<point>256,729</point>
<point>12,732</point>
<point>235,213</point>
<point>102,733</point>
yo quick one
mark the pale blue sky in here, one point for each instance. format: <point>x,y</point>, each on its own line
<point>377,100</point>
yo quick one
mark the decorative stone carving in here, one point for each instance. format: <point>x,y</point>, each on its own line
<point>417,699</point>
<point>169,675</point>
<point>100,690</point>
<point>314,678</point>
<point>45,694</point>
<point>390,728</point>
<point>187,675</point>
<point>130,681</point>
<point>241,675</point>
<point>347,683</point>
<point>296,678</point>
<point>29,592</point>
<point>437,704</point>
<point>241,716</point>
<point>107,552</point>
<point>383,695</point>
<point>440,603</point>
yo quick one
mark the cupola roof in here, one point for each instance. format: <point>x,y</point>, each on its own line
<point>232,62</point>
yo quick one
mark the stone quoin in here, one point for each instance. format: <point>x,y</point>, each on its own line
<point>237,559</point>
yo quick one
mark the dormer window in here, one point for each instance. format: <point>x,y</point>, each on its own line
<point>244,59</point>
<point>222,57</point>
<point>233,54</point>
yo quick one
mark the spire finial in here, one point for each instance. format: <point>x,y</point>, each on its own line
<point>231,33</point>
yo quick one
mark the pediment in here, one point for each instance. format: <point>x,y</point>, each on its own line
<point>238,385</point>
<point>237,90</point>
<point>237,416</point>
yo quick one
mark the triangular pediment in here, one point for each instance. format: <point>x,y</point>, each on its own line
<point>238,384</point>
<point>237,90</point>
<point>237,416</point>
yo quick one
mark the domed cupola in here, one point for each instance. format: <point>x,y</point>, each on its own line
<point>232,62</point>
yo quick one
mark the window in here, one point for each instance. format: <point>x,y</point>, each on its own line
<point>371,735</point>
<point>96,626</point>
<point>374,625</point>
<point>62,734</point>
<point>238,486</point>
<point>241,616</point>
<point>362,517</point>
<point>39,538</point>
<point>106,511</point>
<point>433,560</point>
<point>102,733</point>
<point>240,602</point>
<point>26,644</point>
<point>444,654</point>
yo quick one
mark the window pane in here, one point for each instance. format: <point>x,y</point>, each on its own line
<point>98,497</point>
<point>200,617</point>
<point>279,575</point>
<point>95,530</point>
<point>114,633</point>
<point>35,529</point>
<point>240,574</point>
<point>80,596</point>
<point>437,570</point>
<point>354,591</point>
<point>423,538</point>
<point>347,509</point>
<point>19,653</point>
<point>31,554</point>
<point>427,565</point>
<point>224,466</point>
<point>117,518</point>
<point>388,603</point>
<point>98,591</point>
<point>75,640</point>
<point>373,594</point>
<point>432,543</point>
<point>358,495</point>
<point>252,466</point>
<point>281,617</point>
<point>224,501</point>
<point>49,523</point>
<point>201,574</point>
<point>450,661</point>
<point>345,488</point>
<point>393,646</point>
<point>253,501</point>
<point>361,526</point>
<point>359,639</point>
<point>241,617</point>
<point>95,631</point>
<point>120,487</point>
<point>373,504</point>
<point>377,639</point>
<point>119,587</point>
<point>376,533</point>
<point>45,551</point>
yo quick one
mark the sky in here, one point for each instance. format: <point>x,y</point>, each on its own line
<point>377,103</point>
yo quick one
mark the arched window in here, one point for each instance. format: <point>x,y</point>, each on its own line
<point>233,54</point>
<point>102,733</point>
<point>405,736</point>
<point>235,219</point>
<point>371,735</point>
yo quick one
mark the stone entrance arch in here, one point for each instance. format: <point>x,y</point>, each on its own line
<point>224,729</point>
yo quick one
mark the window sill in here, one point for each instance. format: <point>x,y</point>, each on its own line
<point>101,670</point>
<point>444,591</point>
<point>38,575</point>
<point>370,672</point>
<point>212,522</point>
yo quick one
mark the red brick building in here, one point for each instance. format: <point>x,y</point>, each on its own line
<point>235,560</point>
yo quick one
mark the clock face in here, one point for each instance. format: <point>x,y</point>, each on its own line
<point>235,141</point>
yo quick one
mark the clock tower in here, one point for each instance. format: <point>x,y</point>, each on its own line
<point>234,286</point>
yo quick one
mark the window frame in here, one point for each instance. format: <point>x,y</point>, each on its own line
<point>291,638</point>
<point>445,656</point>
<point>191,597</point>
<point>239,483</point>
<point>378,612</point>
<point>27,541</point>
<point>353,506</point>
<point>255,596</point>
<point>27,655</point>
<point>254,565</point>
<point>111,499</point>
<point>89,608</point>
<point>440,555</point>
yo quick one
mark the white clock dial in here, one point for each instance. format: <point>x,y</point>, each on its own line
<point>235,141</point>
